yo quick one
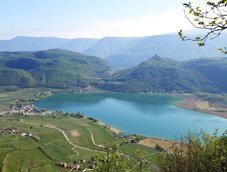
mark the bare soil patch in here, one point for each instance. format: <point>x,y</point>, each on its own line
<point>75,133</point>
<point>115,130</point>
<point>152,142</point>
<point>197,105</point>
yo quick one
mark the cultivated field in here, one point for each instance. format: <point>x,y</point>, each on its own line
<point>55,142</point>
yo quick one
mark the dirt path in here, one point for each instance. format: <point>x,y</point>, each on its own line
<point>66,137</point>
<point>93,139</point>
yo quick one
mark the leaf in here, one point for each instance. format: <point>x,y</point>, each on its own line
<point>201,44</point>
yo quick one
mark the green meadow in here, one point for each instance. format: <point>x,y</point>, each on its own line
<point>51,147</point>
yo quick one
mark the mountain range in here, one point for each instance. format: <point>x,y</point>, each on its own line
<point>121,52</point>
<point>65,69</point>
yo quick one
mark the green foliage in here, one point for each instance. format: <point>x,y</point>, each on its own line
<point>112,161</point>
<point>197,153</point>
<point>66,69</point>
<point>214,69</point>
<point>18,77</point>
<point>159,148</point>
<point>92,119</point>
<point>142,159</point>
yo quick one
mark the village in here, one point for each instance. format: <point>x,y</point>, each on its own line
<point>23,109</point>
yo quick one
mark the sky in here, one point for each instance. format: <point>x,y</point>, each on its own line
<point>91,18</point>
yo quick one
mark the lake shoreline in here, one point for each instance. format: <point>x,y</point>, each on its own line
<point>186,102</point>
<point>113,129</point>
<point>146,105</point>
<point>192,104</point>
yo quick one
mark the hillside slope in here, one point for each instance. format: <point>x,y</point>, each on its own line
<point>162,74</point>
<point>65,69</point>
<point>50,68</point>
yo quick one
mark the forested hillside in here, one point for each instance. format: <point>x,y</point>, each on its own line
<point>162,74</point>
<point>64,69</point>
<point>50,68</point>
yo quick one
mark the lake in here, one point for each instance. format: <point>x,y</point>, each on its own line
<point>144,114</point>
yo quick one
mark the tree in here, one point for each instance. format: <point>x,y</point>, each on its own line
<point>197,153</point>
<point>159,148</point>
<point>142,158</point>
<point>212,19</point>
<point>112,161</point>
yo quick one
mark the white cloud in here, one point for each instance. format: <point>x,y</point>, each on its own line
<point>141,26</point>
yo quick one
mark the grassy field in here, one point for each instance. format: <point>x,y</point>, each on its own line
<point>52,147</point>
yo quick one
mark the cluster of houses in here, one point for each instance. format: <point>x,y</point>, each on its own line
<point>34,137</point>
<point>129,138</point>
<point>4,113</point>
<point>13,130</point>
<point>10,130</point>
<point>87,89</point>
<point>21,109</point>
<point>28,109</point>
<point>77,165</point>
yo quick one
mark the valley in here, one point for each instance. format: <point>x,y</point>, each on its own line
<point>60,109</point>
<point>113,86</point>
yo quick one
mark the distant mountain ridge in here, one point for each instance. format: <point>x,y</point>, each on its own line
<point>121,52</point>
<point>22,43</point>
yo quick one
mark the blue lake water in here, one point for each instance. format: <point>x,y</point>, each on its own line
<point>148,115</point>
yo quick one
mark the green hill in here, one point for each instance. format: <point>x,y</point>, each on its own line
<point>162,74</point>
<point>214,69</point>
<point>65,69</point>
<point>50,68</point>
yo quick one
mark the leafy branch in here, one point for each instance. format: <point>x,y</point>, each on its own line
<point>213,21</point>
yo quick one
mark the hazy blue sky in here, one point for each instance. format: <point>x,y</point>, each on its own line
<point>90,18</point>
